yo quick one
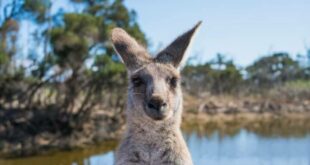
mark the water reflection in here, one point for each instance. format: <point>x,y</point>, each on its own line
<point>101,153</point>
<point>246,148</point>
<point>276,143</point>
<point>271,126</point>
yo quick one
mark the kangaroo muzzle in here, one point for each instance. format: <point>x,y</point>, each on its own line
<point>156,108</point>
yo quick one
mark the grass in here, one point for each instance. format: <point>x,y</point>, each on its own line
<point>298,85</point>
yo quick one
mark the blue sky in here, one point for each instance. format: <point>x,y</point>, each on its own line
<point>244,30</point>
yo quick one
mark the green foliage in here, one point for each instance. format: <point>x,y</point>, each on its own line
<point>78,61</point>
<point>217,76</point>
<point>38,8</point>
<point>8,36</point>
<point>279,67</point>
<point>3,58</point>
<point>196,77</point>
<point>107,67</point>
<point>72,41</point>
<point>301,85</point>
<point>108,72</point>
<point>222,76</point>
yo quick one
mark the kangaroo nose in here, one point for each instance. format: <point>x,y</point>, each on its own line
<point>157,104</point>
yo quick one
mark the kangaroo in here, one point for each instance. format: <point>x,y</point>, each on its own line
<point>154,105</point>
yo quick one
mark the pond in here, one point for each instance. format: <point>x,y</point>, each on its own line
<point>241,148</point>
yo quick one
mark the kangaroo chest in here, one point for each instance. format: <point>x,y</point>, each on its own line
<point>165,148</point>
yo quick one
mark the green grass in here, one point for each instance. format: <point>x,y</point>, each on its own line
<point>298,85</point>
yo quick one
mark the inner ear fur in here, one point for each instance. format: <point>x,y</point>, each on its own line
<point>132,54</point>
<point>174,53</point>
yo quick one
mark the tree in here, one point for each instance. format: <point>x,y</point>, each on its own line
<point>84,37</point>
<point>276,68</point>
<point>217,76</point>
<point>73,66</point>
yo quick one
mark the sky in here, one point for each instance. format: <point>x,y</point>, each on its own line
<point>244,30</point>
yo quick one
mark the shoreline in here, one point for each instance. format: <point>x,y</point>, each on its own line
<point>225,114</point>
<point>265,124</point>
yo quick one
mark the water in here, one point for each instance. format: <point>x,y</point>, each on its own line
<point>241,148</point>
<point>247,148</point>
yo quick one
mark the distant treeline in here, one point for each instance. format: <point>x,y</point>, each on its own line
<point>68,64</point>
<point>224,76</point>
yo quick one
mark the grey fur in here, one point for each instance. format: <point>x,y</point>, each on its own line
<point>152,137</point>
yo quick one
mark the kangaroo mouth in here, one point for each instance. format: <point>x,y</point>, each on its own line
<point>156,114</point>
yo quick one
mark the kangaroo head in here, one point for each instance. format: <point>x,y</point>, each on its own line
<point>154,82</point>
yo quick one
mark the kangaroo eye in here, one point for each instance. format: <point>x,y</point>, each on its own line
<point>137,81</point>
<point>173,81</point>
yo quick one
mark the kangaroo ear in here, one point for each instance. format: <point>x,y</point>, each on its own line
<point>176,51</point>
<point>132,54</point>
